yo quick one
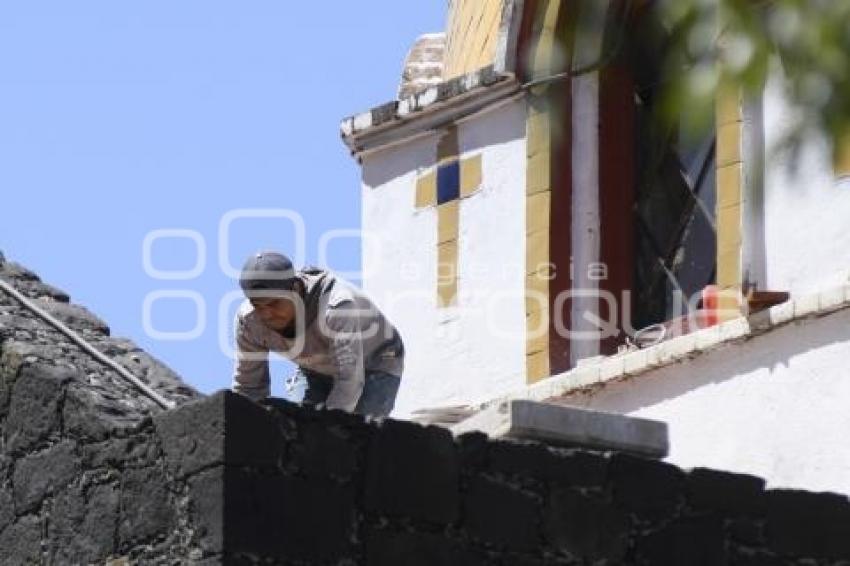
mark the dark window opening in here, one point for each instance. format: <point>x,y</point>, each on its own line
<point>674,211</point>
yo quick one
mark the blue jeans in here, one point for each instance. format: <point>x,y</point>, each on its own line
<point>377,399</point>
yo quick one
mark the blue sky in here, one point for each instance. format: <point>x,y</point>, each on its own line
<point>118,119</point>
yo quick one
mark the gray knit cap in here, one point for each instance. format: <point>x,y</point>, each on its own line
<point>267,271</point>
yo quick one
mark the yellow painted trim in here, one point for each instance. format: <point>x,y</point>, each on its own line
<point>729,303</point>
<point>538,202</point>
<point>448,214</point>
<point>470,175</point>
<point>448,218</point>
<point>537,366</point>
<point>729,268</point>
<point>729,223</point>
<point>841,158</point>
<point>447,265</point>
<point>426,190</point>
<point>537,254</point>
<point>730,182</point>
<point>728,105</point>
<point>539,135</point>
<point>537,322</point>
<point>538,211</point>
<point>448,146</point>
<point>543,57</point>
<point>537,341</point>
<point>729,143</point>
<point>538,173</point>
<point>472,37</point>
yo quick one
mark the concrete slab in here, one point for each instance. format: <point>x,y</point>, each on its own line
<point>570,426</point>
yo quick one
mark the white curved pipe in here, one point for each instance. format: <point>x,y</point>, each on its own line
<point>88,348</point>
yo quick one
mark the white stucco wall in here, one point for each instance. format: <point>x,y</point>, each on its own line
<point>477,349</point>
<point>775,406</point>
<point>807,209</point>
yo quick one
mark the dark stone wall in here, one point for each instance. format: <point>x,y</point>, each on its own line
<point>303,487</point>
<point>84,470</point>
<point>93,472</point>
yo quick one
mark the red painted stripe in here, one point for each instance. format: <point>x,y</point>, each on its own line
<point>561,211</point>
<point>617,179</point>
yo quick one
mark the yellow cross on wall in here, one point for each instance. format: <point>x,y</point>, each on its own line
<point>444,186</point>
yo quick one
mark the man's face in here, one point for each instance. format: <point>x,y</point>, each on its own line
<point>276,312</point>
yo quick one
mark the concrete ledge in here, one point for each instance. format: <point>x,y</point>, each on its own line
<point>676,350</point>
<point>570,426</point>
<point>446,102</point>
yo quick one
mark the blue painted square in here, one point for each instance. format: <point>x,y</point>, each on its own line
<point>448,182</point>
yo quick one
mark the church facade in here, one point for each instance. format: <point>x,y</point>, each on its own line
<point>535,233</point>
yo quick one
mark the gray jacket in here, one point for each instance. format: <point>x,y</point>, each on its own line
<point>340,333</point>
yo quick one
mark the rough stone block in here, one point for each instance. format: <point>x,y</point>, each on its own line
<point>567,467</point>
<point>74,316</point>
<point>152,371</point>
<point>652,489</point>
<point>252,434</point>
<point>34,406</point>
<point>416,549</point>
<point>14,270</point>
<point>192,436</point>
<point>20,543</point>
<point>413,471</point>
<point>695,541</point>
<point>585,527</point>
<point>324,451</point>
<point>287,517</point>
<point>41,474</point>
<point>206,509</point>
<point>473,450</point>
<point>570,426</point>
<point>89,415</point>
<point>15,355</point>
<point>808,524</point>
<point>137,451</point>
<point>145,510</point>
<point>710,489</point>
<point>749,557</point>
<point>747,531</point>
<point>7,509</point>
<point>36,289</point>
<point>501,515</point>
<point>82,526</point>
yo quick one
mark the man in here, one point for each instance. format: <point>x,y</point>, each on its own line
<point>350,354</point>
